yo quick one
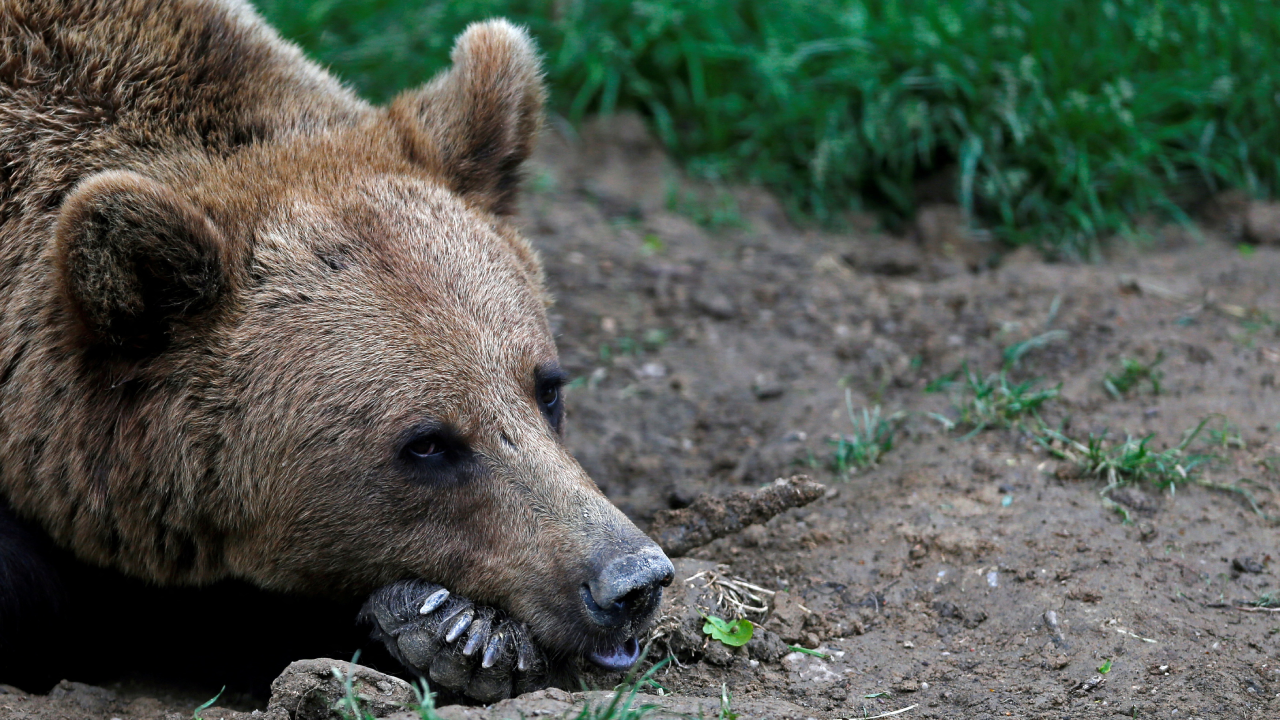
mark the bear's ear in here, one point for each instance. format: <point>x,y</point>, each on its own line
<point>135,259</point>
<point>475,123</point>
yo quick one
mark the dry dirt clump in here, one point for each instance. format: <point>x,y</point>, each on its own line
<point>962,573</point>
<point>710,518</point>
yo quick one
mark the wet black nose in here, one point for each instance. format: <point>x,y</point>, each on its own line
<point>628,588</point>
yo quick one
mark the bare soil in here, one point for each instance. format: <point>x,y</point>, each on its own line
<point>718,358</point>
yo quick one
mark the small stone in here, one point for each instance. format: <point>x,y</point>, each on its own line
<point>767,387</point>
<point>766,645</point>
<point>787,617</point>
<point>1247,565</point>
<point>1084,595</point>
<point>907,686</point>
<point>652,370</point>
<point>1262,222</point>
<point>715,303</point>
<point>308,690</point>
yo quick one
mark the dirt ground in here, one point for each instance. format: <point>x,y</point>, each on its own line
<point>720,355</point>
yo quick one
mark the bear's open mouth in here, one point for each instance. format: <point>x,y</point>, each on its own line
<point>618,657</point>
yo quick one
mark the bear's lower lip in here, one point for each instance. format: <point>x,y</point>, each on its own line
<point>618,657</point>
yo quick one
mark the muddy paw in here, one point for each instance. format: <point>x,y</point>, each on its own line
<point>457,645</point>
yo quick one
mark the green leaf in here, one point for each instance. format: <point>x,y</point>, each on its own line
<point>734,634</point>
<point>195,714</point>
<point>1105,667</point>
<point>807,651</point>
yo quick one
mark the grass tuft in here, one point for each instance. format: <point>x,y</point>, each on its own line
<point>195,714</point>
<point>1129,461</point>
<point>1132,374</point>
<point>872,437</point>
<point>622,706</point>
<point>995,402</point>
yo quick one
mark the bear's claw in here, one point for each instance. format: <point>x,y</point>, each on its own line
<point>439,635</point>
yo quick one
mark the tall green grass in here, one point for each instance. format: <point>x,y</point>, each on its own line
<point>1062,121</point>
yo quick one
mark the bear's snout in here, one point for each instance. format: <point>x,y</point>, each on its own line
<point>622,597</point>
<point>628,587</point>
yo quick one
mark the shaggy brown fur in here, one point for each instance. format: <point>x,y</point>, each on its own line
<point>231,291</point>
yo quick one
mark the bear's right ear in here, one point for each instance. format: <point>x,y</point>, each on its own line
<point>135,259</point>
<point>474,124</point>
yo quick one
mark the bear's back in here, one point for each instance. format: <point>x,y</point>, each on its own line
<point>91,84</point>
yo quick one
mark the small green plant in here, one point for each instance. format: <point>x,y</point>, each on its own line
<point>651,244</point>
<point>726,711</point>
<point>1128,462</point>
<point>653,340</point>
<point>1226,437</point>
<point>807,651</point>
<point>350,706</point>
<point>996,402</point>
<point>195,714</point>
<point>622,705</point>
<point>735,634</point>
<point>942,383</point>
<point>871,438</point>
<point>1132,374</point>
<point>1266,600</point>
<point>715,210</point>
<point>426,701</point>
<point>1014,353</point>
<point>1105,667</point>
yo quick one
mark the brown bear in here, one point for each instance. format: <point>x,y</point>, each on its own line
<point>268,353</point>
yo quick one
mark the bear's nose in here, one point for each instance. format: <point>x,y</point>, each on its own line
<point>628,588</point>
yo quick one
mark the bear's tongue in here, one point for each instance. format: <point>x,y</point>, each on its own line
<point>619,657</point>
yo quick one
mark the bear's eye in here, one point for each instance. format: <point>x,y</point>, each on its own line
<point>550,396</point>
<point>548,382</point>
<point>426,446</point>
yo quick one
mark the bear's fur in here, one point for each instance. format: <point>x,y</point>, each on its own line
<point>235,299</point>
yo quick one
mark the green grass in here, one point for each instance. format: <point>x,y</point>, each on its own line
<point>351,706</point>
<point>995,401</point>
<point>1133,373</point>
<point>872,437</point>
<point>1129,461</point>
<point>622,706</point>
<point>1060,122</point>
<point>195,714</point>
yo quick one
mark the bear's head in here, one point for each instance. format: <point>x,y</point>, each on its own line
<point>359,381</point>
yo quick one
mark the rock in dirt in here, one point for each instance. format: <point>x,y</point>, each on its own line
<point>1247,565</point>
<point>709,518</point>
<point>1262,222</point>
<point>87,698</point>
<point>1054,627</point>
<point>558,703</point>
<point>787,617</point>
<point>970,617</point>
<point>1084,687</point>
<point>311,690</point>
<point>1136,500</point>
